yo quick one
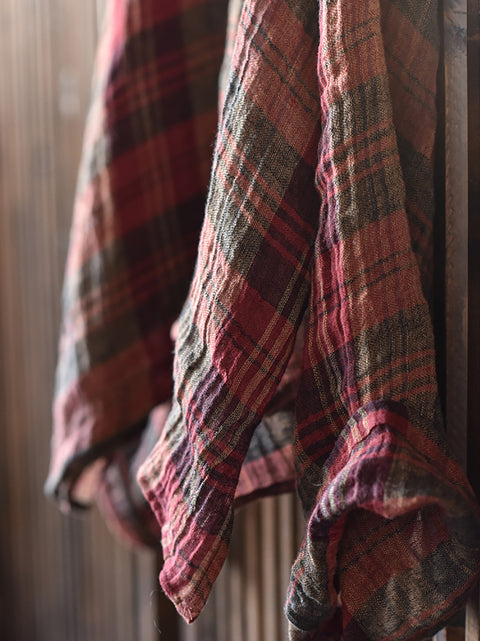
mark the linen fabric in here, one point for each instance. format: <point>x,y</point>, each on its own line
<point>320,208</point>
<point>138,211</point>
<point>306,316</point>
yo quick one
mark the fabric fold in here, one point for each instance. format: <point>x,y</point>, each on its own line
<point>307,314</point>
<point>249,292</point>
<point>392,544</point>
<point>394,527</point>
<point>138,210</point>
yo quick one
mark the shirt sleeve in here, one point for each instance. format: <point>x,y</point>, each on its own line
<point>249,292</point>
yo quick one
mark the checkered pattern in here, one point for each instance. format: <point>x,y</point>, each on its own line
<point>138,212</point>
<point>307,310</point>
<point>320,206</point>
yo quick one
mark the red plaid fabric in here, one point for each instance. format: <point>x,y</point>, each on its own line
<point>307,310</point>
<point>321,203</point>
<point>138,213</point>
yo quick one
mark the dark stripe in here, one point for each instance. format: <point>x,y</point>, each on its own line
<point>291,69</point>
<point>423,16</point>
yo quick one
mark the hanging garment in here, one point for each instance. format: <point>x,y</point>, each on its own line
<point>138,212</point>
<point>320,204</point>
<point>316,239</point>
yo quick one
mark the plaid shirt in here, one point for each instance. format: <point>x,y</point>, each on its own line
<point>307,310</point>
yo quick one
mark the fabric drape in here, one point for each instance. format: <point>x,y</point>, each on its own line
<point>305,351</point>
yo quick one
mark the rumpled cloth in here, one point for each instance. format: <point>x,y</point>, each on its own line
<point>139,207</point>
<point>320,206</point>
<point>307,316</point>
<point>138,211</point>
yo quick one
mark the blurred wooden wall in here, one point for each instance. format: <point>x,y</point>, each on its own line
<point>61,578</point>
<point>462,243</point>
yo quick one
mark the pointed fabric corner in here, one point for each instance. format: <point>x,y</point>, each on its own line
<point>249,291</point>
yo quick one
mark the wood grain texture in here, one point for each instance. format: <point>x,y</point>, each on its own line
<point>456,232</point>
<point>60,578</point>
<point>248,597</point>
<point>473,369</point>
<point>253,571</point>
<point>462,144</point>
<point>472,627</point>
<point>451,634</point>
<point>473,79</point>
<point>456,188</point>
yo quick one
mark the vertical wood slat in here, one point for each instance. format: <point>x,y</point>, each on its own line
<point>100,6</point>
<point>248,597</point>
<point>462,124</point>
<point>270,559</point>
<point>473,362</point>
<point>473,52</point>
<point>253,571</point>
<point>236,584</point>
<point>472,627</point>
<point>60,578</point>
<point>451,634</point>
<point>456,170</point>
<point>288,548</point>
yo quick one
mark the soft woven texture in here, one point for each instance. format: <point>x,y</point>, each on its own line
<point>320,207</point>
<point>138,212</point>
<point>317,238</point>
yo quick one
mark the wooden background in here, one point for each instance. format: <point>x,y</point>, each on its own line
<point>67,579</point>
